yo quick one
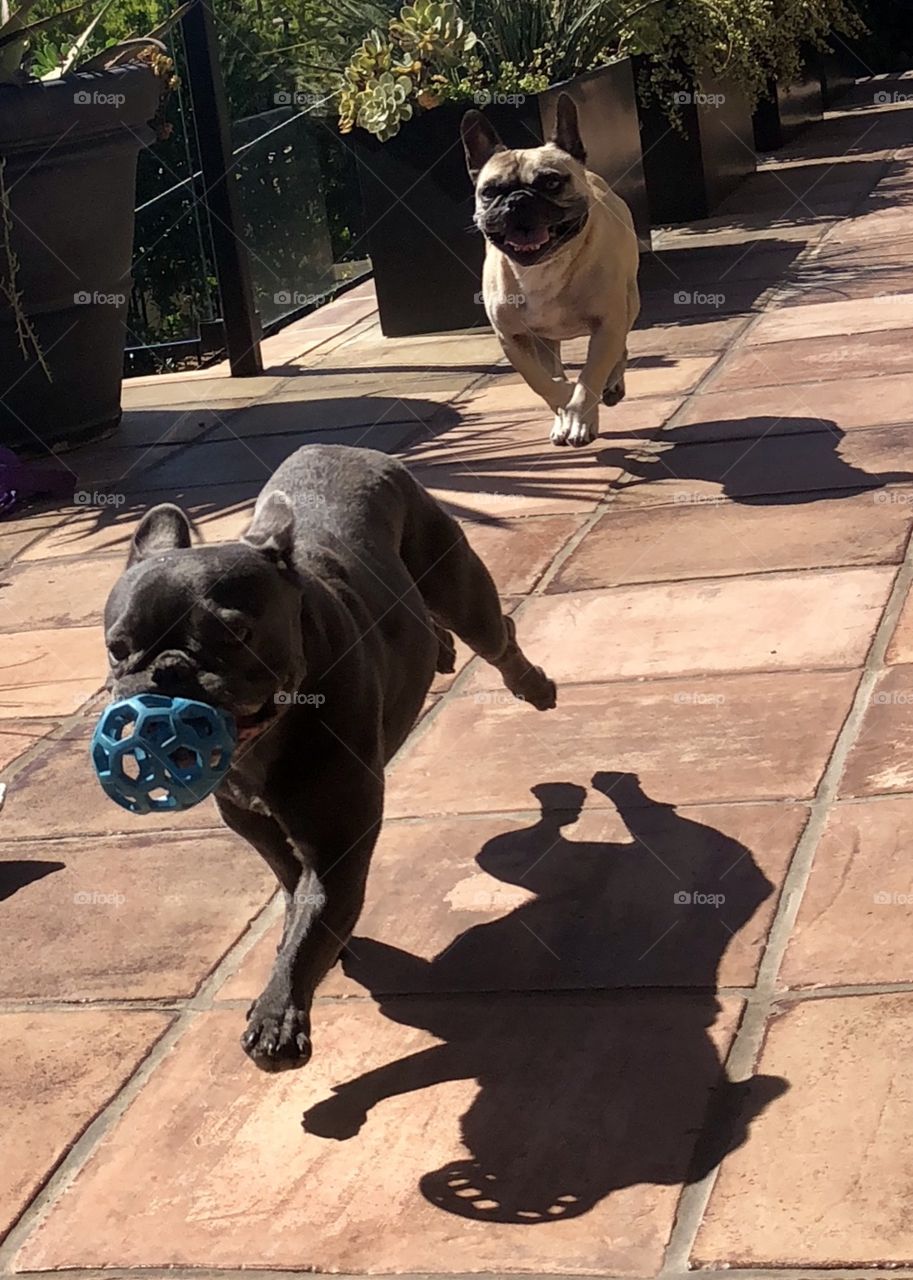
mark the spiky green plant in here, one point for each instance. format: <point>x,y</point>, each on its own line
<point>17,35</point>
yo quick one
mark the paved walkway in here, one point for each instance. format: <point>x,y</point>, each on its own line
<point>575,920</point>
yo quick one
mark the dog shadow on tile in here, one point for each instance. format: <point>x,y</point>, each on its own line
<point>585,1015</point>
<point>762,460</point>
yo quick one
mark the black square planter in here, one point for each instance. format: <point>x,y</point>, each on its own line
<point>691,169</point>
<point>786,109</point>
<point>418,198</point>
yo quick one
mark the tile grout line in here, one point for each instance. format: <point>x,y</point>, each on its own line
<point>184,1014</point>
<point>747,1043</point>
<point>766,996</point>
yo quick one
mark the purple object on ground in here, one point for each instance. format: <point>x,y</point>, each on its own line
<point>20,481</point>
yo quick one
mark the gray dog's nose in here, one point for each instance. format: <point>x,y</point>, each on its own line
<point>171,671</point>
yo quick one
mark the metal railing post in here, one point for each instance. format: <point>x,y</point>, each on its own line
<point>210,110</point>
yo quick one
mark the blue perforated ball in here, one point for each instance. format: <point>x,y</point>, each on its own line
<point>155,754</point>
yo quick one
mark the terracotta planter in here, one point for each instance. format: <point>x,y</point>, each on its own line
<point>70,148</point>
<point>418,198</point>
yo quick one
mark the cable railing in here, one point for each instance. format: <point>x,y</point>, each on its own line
<point>300,221</point>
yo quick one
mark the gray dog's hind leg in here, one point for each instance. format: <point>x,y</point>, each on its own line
<point>462,597</point>
<point>446,651</point>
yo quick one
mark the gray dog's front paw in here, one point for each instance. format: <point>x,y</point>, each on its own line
<point>277,1036</point>
<point>537,689</point>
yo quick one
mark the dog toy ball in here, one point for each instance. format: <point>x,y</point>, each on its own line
<point>155,754</point>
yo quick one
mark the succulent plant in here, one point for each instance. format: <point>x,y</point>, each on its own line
<point>433,31</point>
<point>384,105</point>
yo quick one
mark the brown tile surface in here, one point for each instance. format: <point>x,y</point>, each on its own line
<point>58,595</point>
<point>721,539</point>
<point>518,551</point>
<point>851,317</point>
<point>49,673</point>
<point>214,509</point>
<point>817,359</point>
<point>691,741</point>
<point>529,482</point>
<point>846,403</point>
<point>500,398</point>
<point>901,647</point>
<point>19,736</point>
<point>882,757</point>
<point>856,921</point>
<point>595,1141</point>
<point>57,794</point>
<point>793,469</point>
<point>818,1184</point>
<point>564,901</point>
<point>132,918</point>
<point>766,623</point>
<point>56,1071</point>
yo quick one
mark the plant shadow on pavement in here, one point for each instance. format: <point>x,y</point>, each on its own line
<point>584,1087</point>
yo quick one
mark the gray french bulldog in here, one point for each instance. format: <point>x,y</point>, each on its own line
<point>320,631</point>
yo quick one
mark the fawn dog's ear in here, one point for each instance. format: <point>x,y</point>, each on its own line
<point>480,142</point>
<point>566,133</point>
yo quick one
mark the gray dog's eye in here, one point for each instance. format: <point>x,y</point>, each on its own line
<point>118,651</point>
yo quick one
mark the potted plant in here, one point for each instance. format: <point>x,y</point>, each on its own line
<point>702,70</point>
<point>69,141</point>
<point>802,60</point>
<point>402,97</point>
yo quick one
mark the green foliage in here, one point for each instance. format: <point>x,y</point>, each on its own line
<point>748,41</point>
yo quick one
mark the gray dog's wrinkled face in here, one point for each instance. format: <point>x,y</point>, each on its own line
<point>219,623</point>
<point>529,203</point>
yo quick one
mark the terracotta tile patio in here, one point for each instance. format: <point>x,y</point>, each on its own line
<point>633,988</point>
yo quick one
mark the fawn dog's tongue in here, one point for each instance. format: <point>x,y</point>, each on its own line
<point>529,241</point>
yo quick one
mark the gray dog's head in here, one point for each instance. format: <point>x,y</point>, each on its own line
<point>219,623</point>
<point>529,203</point>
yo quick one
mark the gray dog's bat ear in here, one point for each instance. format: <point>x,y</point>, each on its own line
<point>480,142</point>
<point>164,528</point>
<point>567,130</point>
<point>273,526</point>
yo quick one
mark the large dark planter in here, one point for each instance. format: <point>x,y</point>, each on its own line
<point>691,169</point>
<point>70,148</point>
<point>418,198</point>
<point>786,110</point>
